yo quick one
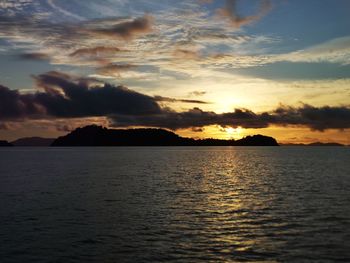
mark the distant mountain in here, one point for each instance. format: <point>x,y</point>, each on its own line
<point>325,144</point>
<point>34,142</point>
<point>5,144</point>
<point>98,136</point>
<point>315,144</point>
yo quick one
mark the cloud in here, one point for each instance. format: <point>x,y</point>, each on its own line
<point>195,118</point>
<point>167,99</point>
<point>197,93</point>
<point>200,47</point>
<point>14,105</point>
<point>186,54</point>
<point>194,129</point>
<point>236,20</point>
<point>65,12</point>
<point>4,126</point>
<point>334,51</point>
<point>75,97</point>
<point>85,43</point>
<point>65,96</point>
<point>89,43</point>
<point>95,51</point>
<point>14,4</point>
<point>297,71</point>
<point>91,40</point>
<point>114,69</point>
<point>36,33</point>
<point>315,118</point>
<point>125,30</point>
<point>35,56</point>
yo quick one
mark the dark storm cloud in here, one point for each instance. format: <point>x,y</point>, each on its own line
<point>319,119</point>
<point>14,105</point>
<point>194,118</point>
<point>64,96</point>
<point>315,118</point>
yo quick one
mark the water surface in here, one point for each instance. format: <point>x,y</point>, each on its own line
<point>175,204</point>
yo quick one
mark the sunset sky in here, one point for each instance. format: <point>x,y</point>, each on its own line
<point>202,68</point>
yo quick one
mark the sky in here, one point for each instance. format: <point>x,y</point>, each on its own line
<point>202,68</point>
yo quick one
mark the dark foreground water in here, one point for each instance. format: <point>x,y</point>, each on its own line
<point>285,204</point>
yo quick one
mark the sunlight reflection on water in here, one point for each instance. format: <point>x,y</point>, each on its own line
<point>175,204</point>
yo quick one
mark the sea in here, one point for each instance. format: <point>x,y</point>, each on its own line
<point>175,204</point>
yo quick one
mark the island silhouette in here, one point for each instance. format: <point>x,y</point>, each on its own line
<point>33,142</point>
<point>94,135</point>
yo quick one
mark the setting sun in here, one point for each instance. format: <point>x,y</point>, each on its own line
<point>234,133</point>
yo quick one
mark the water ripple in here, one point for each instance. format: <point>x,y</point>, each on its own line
<point>175,205</point>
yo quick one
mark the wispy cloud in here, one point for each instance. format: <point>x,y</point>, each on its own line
<point>167,39</point>
<point>125,30</point>
<point>173,40</point>
<point>52,4</point>
<point>334,51</point>
<point>173,100</point>
<point>100,51</point>
<point>114,69</point>
<point>14,4</point>
<point>236,20</point>
<point>35,56</point>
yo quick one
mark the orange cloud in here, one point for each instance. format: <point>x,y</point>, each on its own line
<point>126,30</point>
<point>230,12</point>
<point>187,54</point>
<point>95,51</point>
<point>114,69</point>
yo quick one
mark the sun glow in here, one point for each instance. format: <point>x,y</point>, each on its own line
<point>234,133</point>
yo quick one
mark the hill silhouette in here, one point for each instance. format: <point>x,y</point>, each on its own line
<point>325,144</point>
<point>33,141</point>
<point>5,144</point>
<point>331,144</point>
<point>99,136</point>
